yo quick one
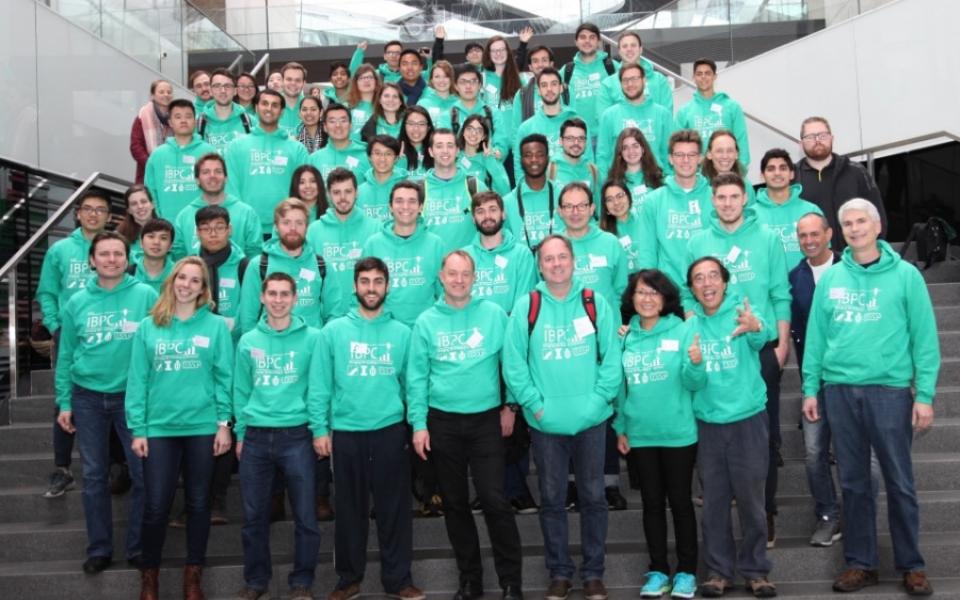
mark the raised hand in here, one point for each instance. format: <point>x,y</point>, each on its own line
<point>747,322</point>
<point>525,34</point>
<point>440,32</point>
<point>696,356</point>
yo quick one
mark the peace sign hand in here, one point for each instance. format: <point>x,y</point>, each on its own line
<point>747,322</point>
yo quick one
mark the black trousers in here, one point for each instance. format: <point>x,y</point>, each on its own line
<point>667,474</point>
<point>462,442</point>
<point>771,372</point>
<point>378,463</point>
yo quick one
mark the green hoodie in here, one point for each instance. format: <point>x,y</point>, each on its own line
<point>671,216</point>
<point>439,108</point>
<point>414,264</point>
<point>65,271</point>
<point>353,158</point>
<point>657,408</point>
<point>220,132</point>
<point>719,112</point>
<point>340,243</point>
<point>318,298</point>
<point>228,291</point>
<point>446,208</point>
<point>360,113</point>
<point>504,273</point>
<point>201,105</point>
<point>270,378</point>
<point>638,190</point>
<point>735,389</point>
<point>418,172</point>
<point>373,197</point>
<point>872,326</point>
<point>96,334</point>
<point>601,264</point>
<point>540,215</point>
<point>166,363</point>
<point>244,225</point>
<point>653,120</point>
<point>169,174</point>
<point>358,371</point>
<point>546,125</point>
<point>486,169</point>
<point>141,275</point>
<point>554,369</point>
<point>500,139</point>
<point>561,172</point>
<point>782,219</point>
<point>585,86</point>
<point>656,88</point>
<point>260,166</point>
<point>289,122</point>
<point>755,259</point>
<point>330,93</point>
<point>629,234</point>
<point>454,362</point>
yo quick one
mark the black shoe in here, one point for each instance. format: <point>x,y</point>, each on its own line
<point>572,502</point>
<point>135,561</point>
<point>779,458</point>
<point>512,592</point>
<point>524,505</point>
<point>469,591</point>
<point>120,482</point>
<point>96,564</point>
<point>615,500</point>
<point>475,507</point>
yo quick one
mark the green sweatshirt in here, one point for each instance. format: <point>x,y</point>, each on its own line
<point>540,216</point>
<point>454,362</point>
<point>719,112</point>
<point>220,132</point>
<point>201,105</point>
<point>383,127</point>
<point>486,169</point>
<point>270,378</point>
<point>358,371</point>
<point>555,369</point>
<point>414,264</point>
<point>65,271</point>
<point>628,234</point>
<point>169,175</point>
<point>638,190</point>
<point>782,219</point>
<point>735,389</point>
<point>373,197</point>
<point>340,243</point>
<point>657,408</point>
<point>656,88</point>
<point>585,87</point>
<point>518,105</point>
<point>446,208</point>
<point>601,264</point>
<point>166,366</point>
<point>671,216</point>
<point>418,172</point>
<point>95,337</point>
<point>289,122</point>
<point>546,125</point>
<point>360,113</point>
<point>330,93</point>
<point>228,290</point>
<point>141,275</point>
<point>561,172</point>
<point>872,326</point>
<point>504,273</point>
<point>439,108</point>
<point>653,120</point>
<point>244,223</point>
<point>260,166</point>
<point>353,158</point>
<point>318,297</point>
<point>500,139</point>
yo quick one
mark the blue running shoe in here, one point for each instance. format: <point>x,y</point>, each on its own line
<point>684,585</point>
<point>655,585</point>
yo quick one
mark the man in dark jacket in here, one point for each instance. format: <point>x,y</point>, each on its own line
<point>829,179</point>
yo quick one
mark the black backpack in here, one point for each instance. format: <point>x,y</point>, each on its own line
<point>932,239</point>
<point>568,75</point>
<point>202,124</point>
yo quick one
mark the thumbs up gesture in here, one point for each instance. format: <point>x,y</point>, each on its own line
<point>696,357</point>
<point>747,322</point>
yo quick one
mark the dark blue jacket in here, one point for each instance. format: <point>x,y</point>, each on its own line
<point>801,291</point>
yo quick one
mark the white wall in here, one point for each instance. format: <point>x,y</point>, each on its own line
<point>886,76</point>
<point>69,98</point>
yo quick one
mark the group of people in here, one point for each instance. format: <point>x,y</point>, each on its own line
<point>432,279</point>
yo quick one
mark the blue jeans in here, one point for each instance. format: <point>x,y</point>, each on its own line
<point>877,417</point>
<point>289,450</point>
<point>94,414</point>
<point>167,457</point>
<point>816,441</point>
<point>552,454</point>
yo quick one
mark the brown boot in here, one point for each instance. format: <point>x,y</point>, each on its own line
<point>192,588</point>
<point>150,584</point>
<point>324,510</point>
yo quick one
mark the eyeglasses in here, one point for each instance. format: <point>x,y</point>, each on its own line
<point>712,276</point>
<point>686,155</point>
<point>218,229</point>
<point>576,207</point>
<point>635,79</point>
<point>498,50</point>
<point>222,86</point>
<point>819,137</point>
<point>472,129</point>
<point>379,154</point>
<point>646,293</point>
<point>417,124</point>
<point>246,87</point>
<point>94,210</point>
<point>392,53</point>
<point>617,196</point>
<point>337,121</point>
<point>367,77</point>
<point>575,138</point>
<point>470,82</point>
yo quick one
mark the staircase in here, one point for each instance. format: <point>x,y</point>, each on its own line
<point>42,541</point>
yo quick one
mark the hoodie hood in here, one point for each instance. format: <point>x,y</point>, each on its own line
<point>674,188</point>
<point>296,324</point>
<point>718,97</point>
<point>763,197</point>
<point>399,173</point>
<point>210,113</point>
<point>94,289</point>
<point>445,309</point>
<point>664,324</point>
<point>749,220</point>
<point>730,301</point>
<point>506,244</point>
<point>598,60</point>
<point>888,259</point>
<point>195,141</point>
<point>418,233</point>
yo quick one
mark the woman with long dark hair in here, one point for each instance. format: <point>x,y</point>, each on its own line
<point>477,157</point>
<point>440,94</point>
<point>387,113</point>
<point>306,185</point>
<point>617,216</point>
<point>635,164</point>
<point>501,81</point>
<point>310,133</point>
<point>140,209</point>
<point>415,130</point>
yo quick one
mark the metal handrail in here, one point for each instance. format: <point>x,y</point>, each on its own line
<point>204,14</point>
<point>692,85</point>
<point>263,60</point>
<point>8,271</point>
<point>907,142</point>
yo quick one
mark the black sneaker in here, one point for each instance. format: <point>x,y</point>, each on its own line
<point>524,505</point>
<point>475,507</point>
<point>615,500</point>
<point>779,458</point>
<point>120,482</point>
<point>61,480</point>
<point>96,564</point>
<point>572,502</point>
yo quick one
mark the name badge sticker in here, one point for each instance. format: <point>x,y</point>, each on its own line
<point>351,161</point>
<point>475,339</point>
<point>717,108</point>
<point>189,160</point>
<point>280,161</point>
<point>837,293</point>
<point>201,341</point>
<point>257,354</point>
<point>583,327</point>
<point>228,283</point>
<point>669,345</point>
<point>307,274</point>
<point>733,254</point>
<point>597,262</point>
<point>501,261</point>
<point>129,326</point>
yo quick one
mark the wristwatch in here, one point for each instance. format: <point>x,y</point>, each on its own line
<point>227,424</point>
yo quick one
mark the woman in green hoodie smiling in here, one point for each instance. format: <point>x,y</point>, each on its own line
<point>178,410</point>
<point>662,366</point>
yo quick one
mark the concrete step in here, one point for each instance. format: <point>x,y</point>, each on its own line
<point>944,294</point>
<point>944,436</point>
<point>946,403</point>
<point>949,374</point>
<point>794,561</point>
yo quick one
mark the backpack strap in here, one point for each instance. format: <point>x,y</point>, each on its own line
<point>609,66</point>
<point>242,268</point>
<point>526,100</point>
<point>322,268</point>
<point>201,125</point>
<point>131,269</point>
<point>567,75</point>
<point>455,119</point>
<point>552,170</point>
<point>263,266</point>
<point>590,307</point>
<point>489,112</point>
<point>245,119</point>
<point>533,311</point>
